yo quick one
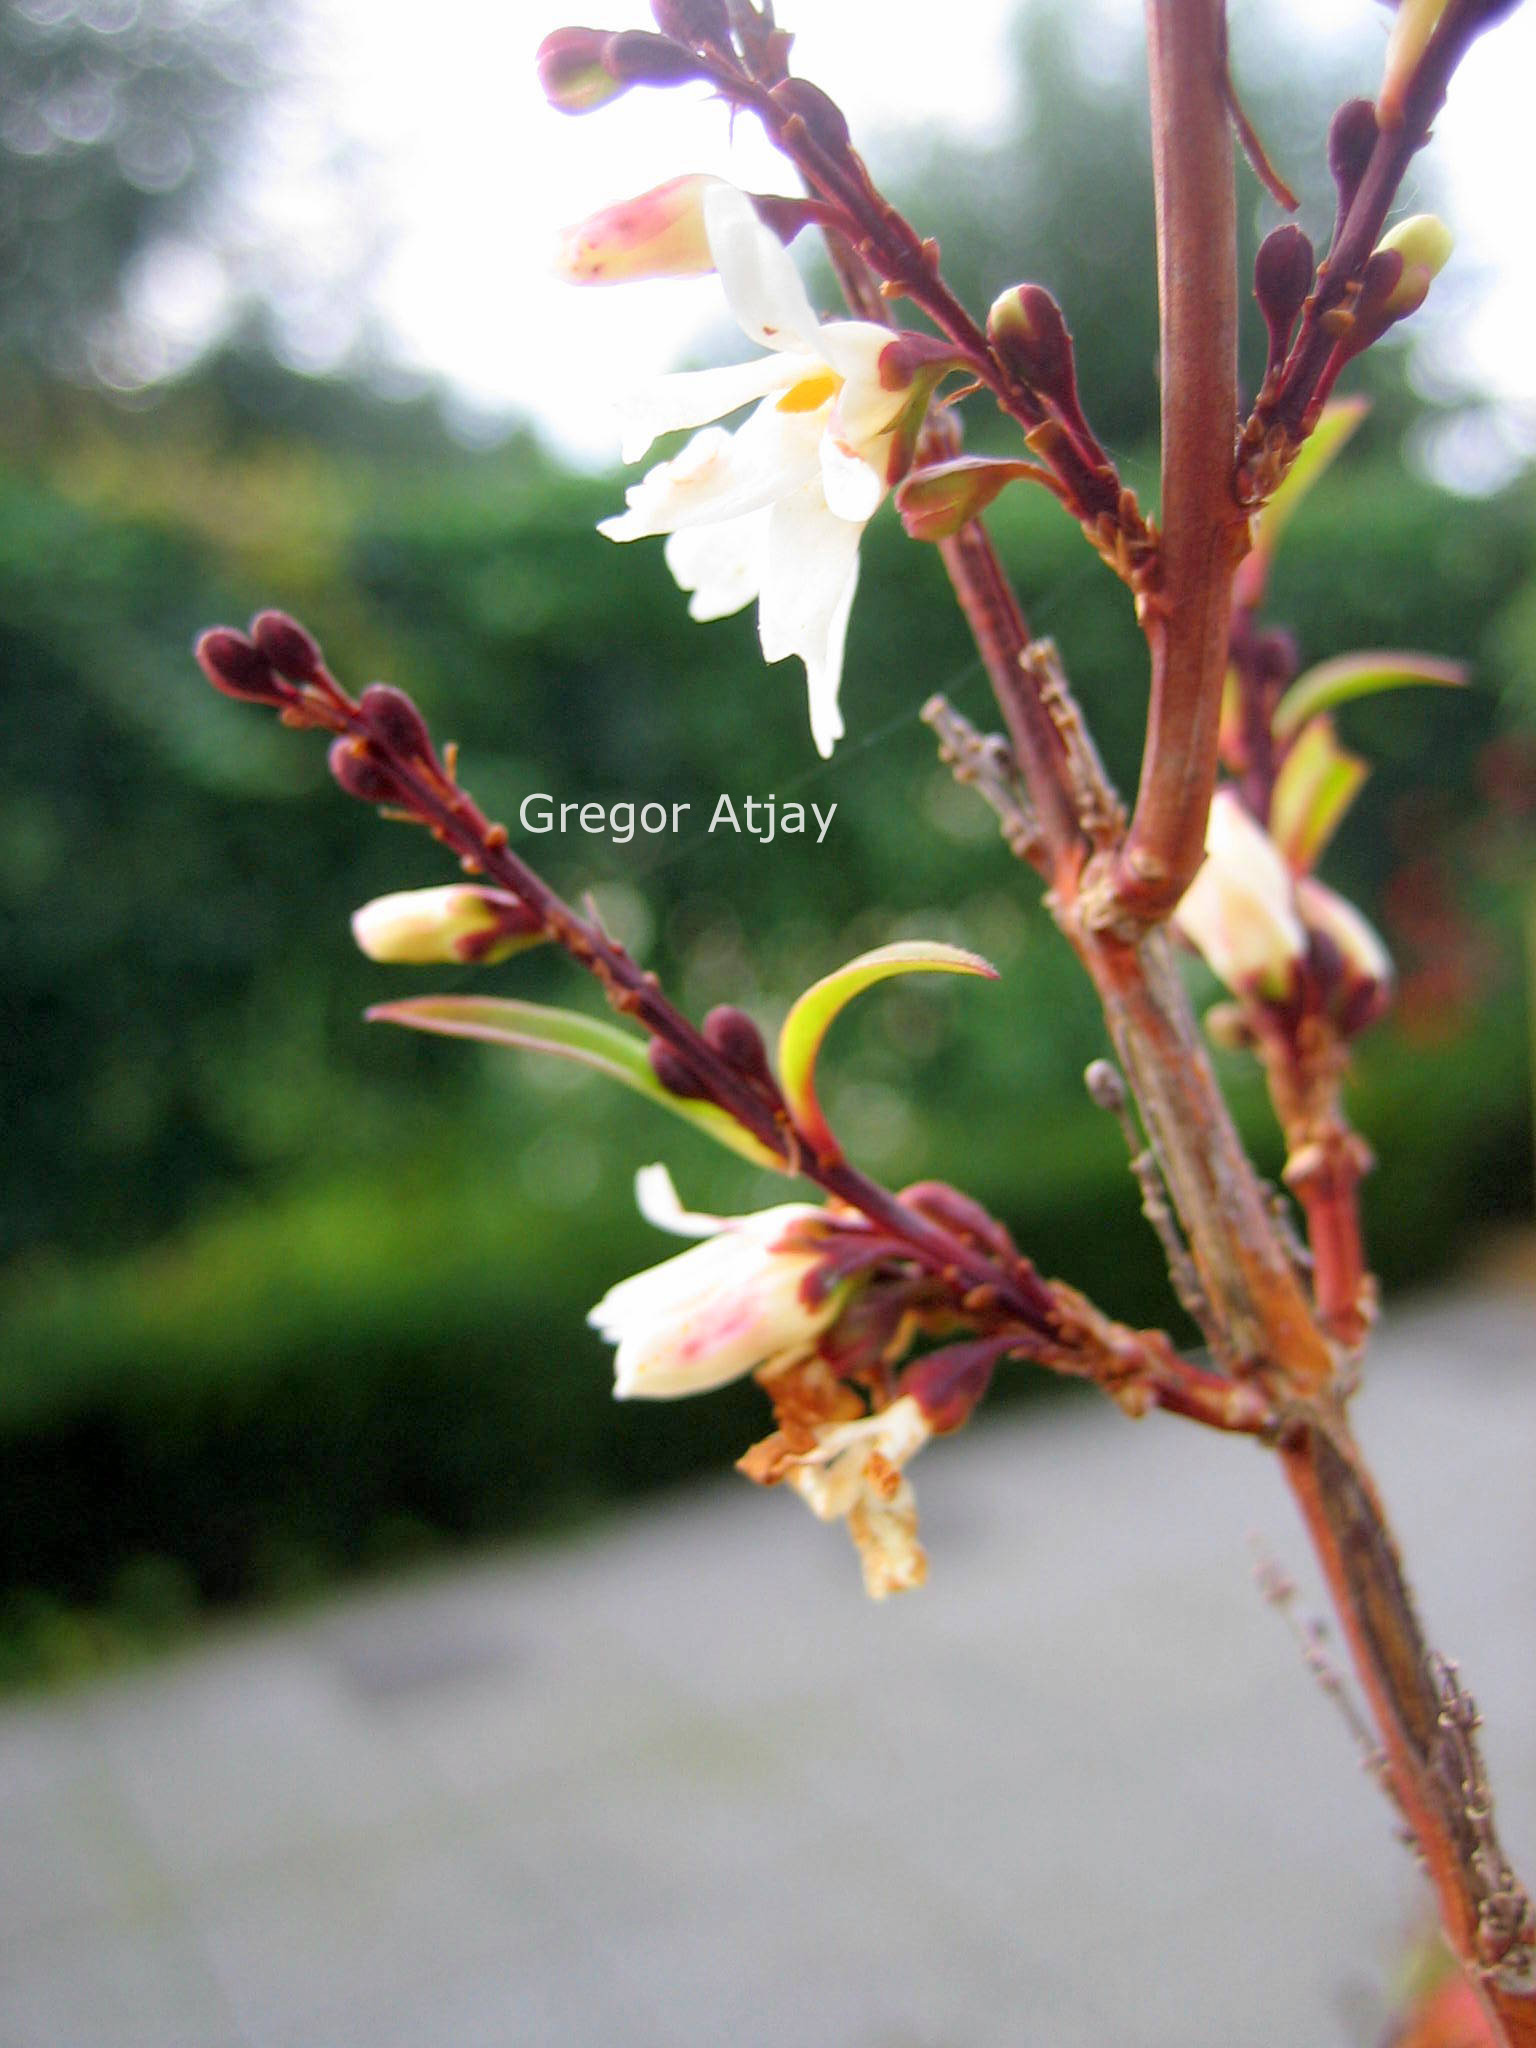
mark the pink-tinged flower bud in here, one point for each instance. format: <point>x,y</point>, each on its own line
<point>1351,138</point>
<point>824,120</point>
<point>937,500</point>
<point>291,651</point>
<point>572,72</point>
<point>736,1038</point>
<point>1282,277</point>
<point>394,721</point>
<point>636,57</point>
<point>361,773</point>
<point>1240,910</point>
<point>693,22</point>
<point>238,669</point>
<point>659,234</point>
<point>674,1072</point>
<point>456,924</point>
<point>1352,965</point>
<point>720,1309</point>
<point>1029,337</point>
<point>1424,243</point>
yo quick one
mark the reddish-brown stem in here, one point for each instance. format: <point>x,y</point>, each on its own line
<point>1328,1190</point>
<point>1426,1732</point>
<point>1305,1063</point>
<point>1243,1265</point>
<point>1203,527</point>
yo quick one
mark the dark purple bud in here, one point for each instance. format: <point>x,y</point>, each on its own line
<point>291,651</point>
<point>693,22</point>
<point>1351,139</point>
<point>822,116</point>
<point>233,665</point>
<point>636,57</point>
<point>1275,658</point>
<point>394,721</point>
<point>572,72</point>
<point>361,773</point>
<point>736,1038</point>
<point>674,1072</point>
<point>1282,277</point>
<point>1029,336</point>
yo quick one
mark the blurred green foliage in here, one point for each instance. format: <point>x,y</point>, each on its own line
<point>285,1295</point>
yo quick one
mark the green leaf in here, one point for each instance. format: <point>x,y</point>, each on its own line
<point>811,1016</point>
<point>1317,783</point>
<point>591,1041</point>
<point>1359,675</point>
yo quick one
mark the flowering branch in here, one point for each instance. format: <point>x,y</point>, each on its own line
<point>827,1304</point>
<point>1359,288</point>
<point>383,755</point>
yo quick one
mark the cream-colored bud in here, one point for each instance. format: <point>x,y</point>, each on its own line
<point>1416,22</point>
<point>453,924</point>
<point>1425,243</point>
<point>1240,910</point>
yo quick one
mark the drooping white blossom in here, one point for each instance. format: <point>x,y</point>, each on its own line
<point>774,510</point>
<point>728,1305</point>
<point>856,1474</point>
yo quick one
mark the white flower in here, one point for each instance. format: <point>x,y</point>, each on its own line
<point>717,1311</point>
<point>856,1473</point>
<point>774,510</point>
<point>1240,910</point>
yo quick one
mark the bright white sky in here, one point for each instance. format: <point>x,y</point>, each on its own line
<point>419,148</point>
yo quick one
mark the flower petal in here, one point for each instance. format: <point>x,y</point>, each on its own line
<point>808,584</point>
<point>1240,909</point>
<point>721,564</point>
<point>762,285</point>
<point>824,676</point>
<point>850,483</point>
<point>720,476</point>
<point>656,1198</point>
<point>693,398</point>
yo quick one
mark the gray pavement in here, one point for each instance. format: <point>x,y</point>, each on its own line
<point>679,1783</point>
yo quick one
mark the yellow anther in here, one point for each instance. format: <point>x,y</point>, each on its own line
<point>810,392</point>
